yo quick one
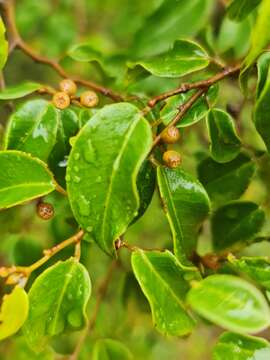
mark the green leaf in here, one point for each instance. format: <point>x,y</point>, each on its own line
<point>257,268</point>
<point>235,223</point>
<point>225,182</point>
<point>196,113</point>
<point>234,37</point>
<point>3,45</point>
<point>19,91</point>
<point>231,303</point>
<point>108,153</point>
<point>241,347</point>
<point>263,65</point>
<point>146,183</point>
<point>225,143</point>
<point>164,281</point>
<point>262,105</point>
<point>260,39</point>
<point>22,178</point>
<point>33,128</point>
<point>238,10</point>
<point>171,21</point>
<point>68,126</point>
<point>108,349</point>
<point>186,205</point>
<point>13,313</point>
<point>184,58</point>
<point>58,299</point>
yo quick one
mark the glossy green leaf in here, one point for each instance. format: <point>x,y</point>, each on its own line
<point>234,37</point>
<point>171,21</point>
<point>241,347</point>
<point>13,313</point>
<point>164,281</point>
<point>3,45</point>
<point>231,303</point>
<point>184,58</point>
<point>225,182</point>
<point>262,105</point>
<point>109,349</point>
<point>22,178</point>
<point>260,39</point>
<point>19,91</point>
<point>33,128</point>
<point>235,223</point>
<point>102,171</point>
<point>186,205</point>
<point>263,65</point>
<point>196,113</point>
<point>240,9</point>
<point>58,299</point>
<point>68,126</point>
<point>146,183</point>
<point>257,268</point>
<point>225,144</point>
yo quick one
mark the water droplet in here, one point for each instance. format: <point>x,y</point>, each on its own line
<point>89,152</point>
<point>76,179</point>
<point>76,169</point>
<point>67,177</point>
<point>89,228</point>
<point>40,131</point>
<point>72,140</point>
<point>70,296</point>
<point>63,163</point>
<point>55,327</point>
<point>84,207</point>
<point>76,156</point>
<point>99,179</point>
<point>75,318</point>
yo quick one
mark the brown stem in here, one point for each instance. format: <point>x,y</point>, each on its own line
<point>182,111</point>
<point>196,85</point>
<point>16,41</point>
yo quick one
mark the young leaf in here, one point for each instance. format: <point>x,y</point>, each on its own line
<point>184,58</point>
<point>163,281</point>
<point>19,91</point>
<point>111,350</point>
<point>186,205</point>
<point>238,10</point>
<point>231,303</point>
<point>33,128</point>
<point>58,299</point>
<point>3,45</point>
<point>262,105</point>
<point>196,113</point>
<point>68,126</point>
<point>225,182</point>
<point>22,178</point>
<point>241,347</point>
<point>171,21</point>
<point>260,39</point>
<point>225,143</point>
<point>108,153</point>
<point>235,223</point>
<point>13,313</point>
<point>257,268</point>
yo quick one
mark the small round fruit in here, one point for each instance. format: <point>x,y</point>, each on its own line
<point>171,135</point>
<point>61,100</point>
<point>172,159</point>
<point>68,86</point>
<point>89,99</point>
<point>45,210</point>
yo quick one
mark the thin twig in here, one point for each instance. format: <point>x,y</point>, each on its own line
<point>15,41</point>
<point>196,85</point>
